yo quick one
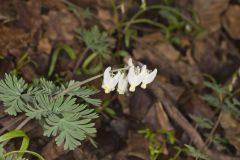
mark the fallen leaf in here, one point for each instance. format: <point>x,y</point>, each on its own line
<point>60,26</point>
<point>44,46</point>
<point>83,154</point>
<point>209,13</point>
<point>52,151</point>
<point>231,129</point>
<point>231,21</point>
<point>137,146</point>
<point>13,41</point>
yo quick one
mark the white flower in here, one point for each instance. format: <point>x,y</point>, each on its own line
<point>148,77</point>
<point>130,63</point>
<point>135,76</point>
<point>122,84</point>
<point>109,80</point>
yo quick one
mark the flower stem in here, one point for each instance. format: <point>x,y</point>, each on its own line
<point>78,84</point>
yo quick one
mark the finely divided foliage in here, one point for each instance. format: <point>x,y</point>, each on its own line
<point>95,40</point>
<point>60,115</point>
<point>82,92</point>
<point>14,93</point>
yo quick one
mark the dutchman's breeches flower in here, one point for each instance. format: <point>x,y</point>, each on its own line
<point>135,76</point>
<point>110,80</point>
<point>148,77</point>
<point>122,84</point>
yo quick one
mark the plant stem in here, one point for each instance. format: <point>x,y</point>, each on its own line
<point>16,120</point>
<point>175,11</point>
<point>80,59</point>
<point>23,123</point>
<point>78,84</point>
<point>148,21</point>
<point>208,141</point>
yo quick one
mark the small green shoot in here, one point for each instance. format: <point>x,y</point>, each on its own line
<point>68,50</point>
<point>23,149</point>
<point>155,146</point>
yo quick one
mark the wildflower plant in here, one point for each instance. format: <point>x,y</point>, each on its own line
<point>54,106</point>
<point>63,110</point>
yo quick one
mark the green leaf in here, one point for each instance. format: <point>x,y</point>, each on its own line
<point>202,122</point>
<point>218,139</point>
<point>84,93</point>
<point>91,70</point>
<point>17,134</point>
<point>46,87</point>
<point>216,87</point>
<point>128,35</point>
<point>195,153</point>
<point>212,100</point>
<point>72,128</point>
<point>232,106</point>
<point>95,40</point>
<point>43,106</point>
<point>70,122</point>
<point>121,53</point>
<point>11,93</point>
<point>69,51</point>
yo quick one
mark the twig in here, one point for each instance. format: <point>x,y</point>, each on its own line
<point>16,120</point>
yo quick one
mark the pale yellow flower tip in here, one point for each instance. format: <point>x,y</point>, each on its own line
<point>143,85</point>
<point>107,90</point>
<point>132,88</point>
<point>120,91</point>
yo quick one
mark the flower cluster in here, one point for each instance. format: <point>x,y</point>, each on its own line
<point>136,76</point>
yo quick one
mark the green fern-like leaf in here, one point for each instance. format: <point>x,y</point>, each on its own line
<point>232,105</point>
<point>46,87</point>
<point>42,106</point>
<point>60,114</point>
<point>70,122</point>
<point>71,128</point>
<point>12,93</point>
<point>95,40</point>
<point>202,121</point>
<point>192,151</point>
<point>212,100</point>
<point>83,93</point>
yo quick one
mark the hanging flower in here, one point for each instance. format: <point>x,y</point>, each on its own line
<point>135,76</point>
<point>110,80</point>
<point>148,77</point>
<point>130,63</point>
<point>122,84</point>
